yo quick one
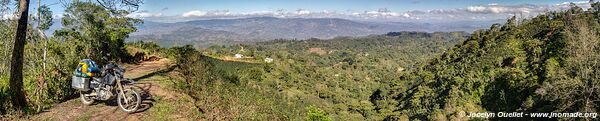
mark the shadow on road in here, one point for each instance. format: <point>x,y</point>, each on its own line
<point>163,71</point>
<point>147,98</point>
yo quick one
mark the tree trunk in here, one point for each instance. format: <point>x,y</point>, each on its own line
<point>43,37</point>
<point>16,66</point>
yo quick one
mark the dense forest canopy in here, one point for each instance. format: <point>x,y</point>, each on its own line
<point>548,63</point>
<point>338,75</point>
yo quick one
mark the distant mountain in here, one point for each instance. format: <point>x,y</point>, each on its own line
<point>204,33</point>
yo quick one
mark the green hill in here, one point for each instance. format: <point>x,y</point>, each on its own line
<point>337,76</point>
<point>548,63</point>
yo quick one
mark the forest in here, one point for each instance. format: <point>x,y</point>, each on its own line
<point>546,63</point>
<point>338,75</point>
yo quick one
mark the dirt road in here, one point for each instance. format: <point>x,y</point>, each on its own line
<point>160,101</point>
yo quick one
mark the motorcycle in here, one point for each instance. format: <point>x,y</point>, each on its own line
<point>109,85</point>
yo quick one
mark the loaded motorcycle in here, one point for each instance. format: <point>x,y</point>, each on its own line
<point>106,84</point>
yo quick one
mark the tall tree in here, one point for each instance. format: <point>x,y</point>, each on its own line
<point>16,69</point>
<point>102,31</point>
<point>44,22</point>
<point>16,66</point>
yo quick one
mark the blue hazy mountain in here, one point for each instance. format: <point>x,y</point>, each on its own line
<point>204,33</point>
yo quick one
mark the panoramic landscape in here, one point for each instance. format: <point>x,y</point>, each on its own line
<point>299,60</point>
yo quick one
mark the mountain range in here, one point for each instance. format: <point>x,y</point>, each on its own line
<point>204,33</point>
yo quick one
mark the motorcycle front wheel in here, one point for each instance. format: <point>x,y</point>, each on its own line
<point>86,99</point>
<point>129,101</point>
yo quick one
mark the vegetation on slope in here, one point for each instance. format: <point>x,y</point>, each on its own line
<point>548,63</point>
<point>545,64</point>
<point>337,76</point>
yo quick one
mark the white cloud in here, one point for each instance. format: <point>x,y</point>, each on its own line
<point>492,11</point>
<point>258,13</point>
<point>576,2</point>
<point>499,9</point>
<point>476,8</point>
<point>217,13</point>
<point>220,13</point>
<point>195,13</point>
<point>302,12</point>
<point>406,15</point>
<point>381,13</point>
<point>144,15</point>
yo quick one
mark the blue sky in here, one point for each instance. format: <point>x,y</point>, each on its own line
<point>376,10</point>
<point>179,6</point>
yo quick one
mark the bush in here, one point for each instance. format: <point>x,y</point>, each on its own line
<point>316,114</point>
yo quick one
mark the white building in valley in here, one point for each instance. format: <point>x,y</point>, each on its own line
<point>239,55</point>
<point>268,60</point>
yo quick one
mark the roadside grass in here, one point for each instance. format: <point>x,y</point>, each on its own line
<point>174,107</point>
<point>228,101</point>
<point>177,108</point>
<point>161,110</point>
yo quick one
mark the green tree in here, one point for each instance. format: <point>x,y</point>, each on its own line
<point>575,86</point>
<point>99,32</point>
<point>16,68</point>
<point>44,23</point>
<point>316,114</point>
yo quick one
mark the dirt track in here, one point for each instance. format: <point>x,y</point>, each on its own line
<point>159,101</point>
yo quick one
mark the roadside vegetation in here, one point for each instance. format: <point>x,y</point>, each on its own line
<point>90,31</point>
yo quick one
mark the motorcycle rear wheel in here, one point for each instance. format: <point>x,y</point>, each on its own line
<point>85,98</point>
<point>130,102</point>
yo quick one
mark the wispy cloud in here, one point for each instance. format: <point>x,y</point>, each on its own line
<point>144,15</point>
<point>201,14</point>
<point>303,12</point>
<point>492,11</point>
<point>577,2</point>
<point>164,9</point>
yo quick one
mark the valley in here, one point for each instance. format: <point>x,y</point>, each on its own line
<point>304,65</point>
<point>205,33</point>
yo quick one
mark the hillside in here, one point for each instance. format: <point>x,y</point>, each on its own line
<point>337,76</point>
<point>548,63</point>
<point>203,33</point>
<point>544,64</point>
